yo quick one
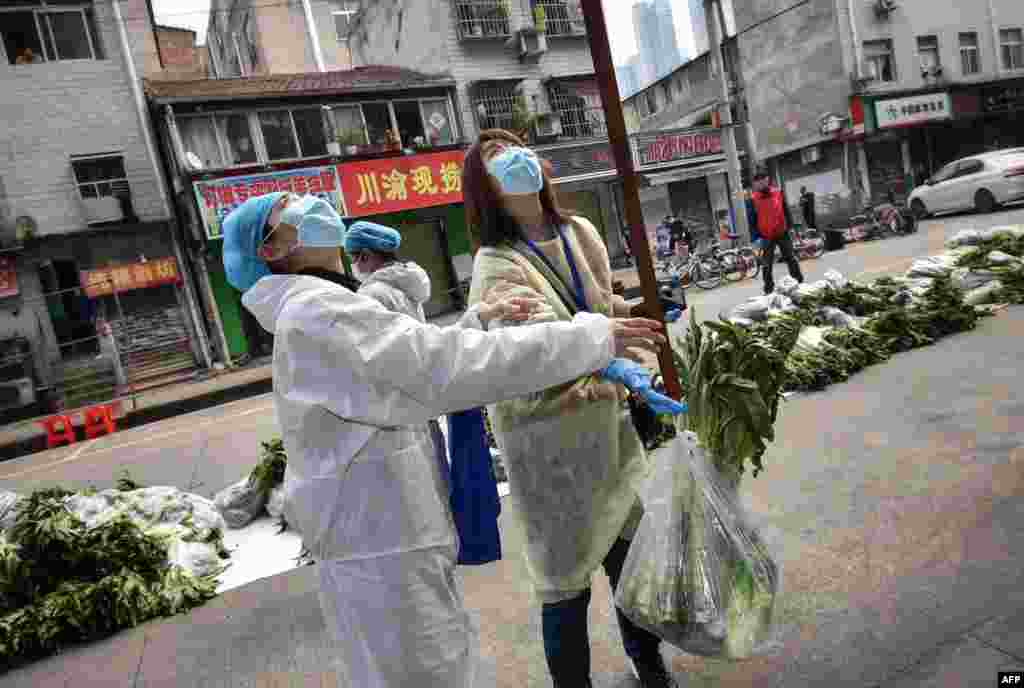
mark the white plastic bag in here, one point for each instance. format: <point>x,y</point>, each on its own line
<point>985,294</point>
<point>965,279</point>
<point>838,318</point>
<point>697,574</point>
<point>835,279</point>
<point>933,266</point>
<point>1000,258</point>
<point>786,286</point>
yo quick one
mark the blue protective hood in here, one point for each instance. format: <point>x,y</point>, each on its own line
<point>243,235</point>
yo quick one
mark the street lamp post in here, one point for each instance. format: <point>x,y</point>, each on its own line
<point>600,52</point>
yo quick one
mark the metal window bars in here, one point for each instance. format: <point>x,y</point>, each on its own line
<point>562,17</point>
<point>581,114</point>
<point>495,106</point>
<point>483,18</point>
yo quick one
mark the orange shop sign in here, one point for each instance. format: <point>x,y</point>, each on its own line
<point>373,187</point>
<point>152,273</point>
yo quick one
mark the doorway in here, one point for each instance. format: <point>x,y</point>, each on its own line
<point>424,243</point>
<point>72,313</point>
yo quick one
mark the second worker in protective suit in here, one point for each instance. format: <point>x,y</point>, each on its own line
<point>354,388</point>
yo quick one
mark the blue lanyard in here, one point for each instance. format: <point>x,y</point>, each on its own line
<point>581,299</point>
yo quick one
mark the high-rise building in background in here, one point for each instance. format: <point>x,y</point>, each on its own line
<point>625,75</point>
<point>700,27</point>
<point>655,34</point>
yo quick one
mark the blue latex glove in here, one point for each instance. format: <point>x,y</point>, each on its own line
<point>673,315</point>
<point>637,379</point>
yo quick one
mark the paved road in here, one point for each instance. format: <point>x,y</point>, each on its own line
<point>893,501</point>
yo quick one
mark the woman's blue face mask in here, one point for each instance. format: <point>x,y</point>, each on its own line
<point>518,171</point>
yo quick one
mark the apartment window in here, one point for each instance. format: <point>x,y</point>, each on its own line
<point>482,18</point>
<point>495,106</point>
<point>343,18</point>
<point>1011,41</point>
<point>47,35</point>
<point>309,130</point>
<point>438,122</point>
<point>879,58</point>
<point>562,17</point>
<point>378,123</point>
<point>278,137</point>
<point>579,110</point>
<point>652,101</point>
<point>348,125</point>
<point>199,137</point>
<point>928,52</point>
<point>99,176</point>
<point>642,105</point>
<point>238,136</point>
<point>970,55</point>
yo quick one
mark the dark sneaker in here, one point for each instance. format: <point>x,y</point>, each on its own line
<point>653,673</point>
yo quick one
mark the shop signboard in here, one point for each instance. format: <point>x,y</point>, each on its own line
<point>218,197</point>
<point>904,112</point>
<point>375,187</point>
<point>8,278</point>
<point>120,278</point>
<point>578,160</point>
<point>656,149</point>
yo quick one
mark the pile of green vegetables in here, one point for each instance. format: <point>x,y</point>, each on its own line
<point>889,328</point>
<point>63,583</point>
<point>1011,276</point>
<point>731,379</point>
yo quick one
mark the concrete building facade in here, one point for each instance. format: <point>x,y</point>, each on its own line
<point>93,282</point>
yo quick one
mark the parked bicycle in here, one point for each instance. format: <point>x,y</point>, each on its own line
<point>702,269</point>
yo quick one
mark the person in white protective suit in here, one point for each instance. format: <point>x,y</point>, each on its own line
<point>354,387</point>
<point>574,458</point>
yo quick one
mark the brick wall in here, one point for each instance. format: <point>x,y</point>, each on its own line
<point>56,109</point>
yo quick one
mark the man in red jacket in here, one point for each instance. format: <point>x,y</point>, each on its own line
<point>773,224</point>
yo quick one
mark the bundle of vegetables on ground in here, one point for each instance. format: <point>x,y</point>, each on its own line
<point>63,582</point>
<point>836,331</point>
<point>697,574</point>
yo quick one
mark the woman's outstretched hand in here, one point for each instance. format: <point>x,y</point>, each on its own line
<point>511,309</point>
<point>637,333</point>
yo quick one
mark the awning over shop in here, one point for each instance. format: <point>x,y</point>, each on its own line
<point>684,173</point>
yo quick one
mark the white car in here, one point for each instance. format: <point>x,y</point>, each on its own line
<point>983,182</point>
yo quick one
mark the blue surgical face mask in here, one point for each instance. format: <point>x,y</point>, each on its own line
<point>318,224</point>
<point>517,170</point>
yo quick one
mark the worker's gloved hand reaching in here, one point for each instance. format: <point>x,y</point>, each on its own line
<point>637,379</point>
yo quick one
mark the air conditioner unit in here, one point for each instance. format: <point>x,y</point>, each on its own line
<point>17,393</point>
<point>811,155</point>
<point>102,209</point>
<point>884,7</point>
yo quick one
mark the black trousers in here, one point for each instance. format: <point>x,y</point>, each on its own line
<point>567,638</point>
<point>785,244</point>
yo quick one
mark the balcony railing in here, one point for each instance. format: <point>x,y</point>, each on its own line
<point>580,116</point>
<point>482,19</point>
<point>562,17</point>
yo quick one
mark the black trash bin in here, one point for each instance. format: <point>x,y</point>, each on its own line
<point>835,240</point>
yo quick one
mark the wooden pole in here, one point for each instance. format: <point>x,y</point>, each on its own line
<point>600,52</point>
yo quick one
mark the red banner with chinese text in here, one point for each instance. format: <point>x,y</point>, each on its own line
<point>8,278</point>
<point>374,187</point>
<point>152,273</point>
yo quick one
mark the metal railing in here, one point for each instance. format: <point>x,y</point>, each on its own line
<point>482,18</point>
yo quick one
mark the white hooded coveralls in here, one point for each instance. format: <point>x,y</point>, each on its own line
<point>354,386</point>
